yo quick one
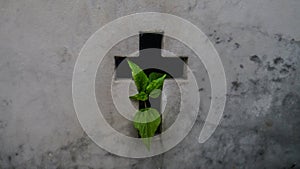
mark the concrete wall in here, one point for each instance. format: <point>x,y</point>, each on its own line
<point>258,42</point>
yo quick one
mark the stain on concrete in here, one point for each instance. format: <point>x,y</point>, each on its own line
<point>235,85</point>
<point>291,101</point>
<point>64,54</point>
<point>3,124</point>
<point>255,58</point>
<point>237,45</point>
<point>278,60</point>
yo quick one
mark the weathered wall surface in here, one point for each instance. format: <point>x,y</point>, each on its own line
<point>258,42</point>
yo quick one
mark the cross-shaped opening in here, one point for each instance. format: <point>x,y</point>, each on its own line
<point>150,57</point>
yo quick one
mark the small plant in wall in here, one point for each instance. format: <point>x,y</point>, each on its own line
<point>147,119</point>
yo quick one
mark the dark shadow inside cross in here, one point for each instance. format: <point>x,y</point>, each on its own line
<point>150,60</point>
<point>150,56</point>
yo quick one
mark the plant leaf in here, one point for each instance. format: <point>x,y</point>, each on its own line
<point>146,121</point>
<point>155,93</point>
<point>154,75</point>
<point>140,78</point>
<point>140,96</point>
<point>155,84</point>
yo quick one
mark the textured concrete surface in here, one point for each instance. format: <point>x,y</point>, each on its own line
<point>258,42</point>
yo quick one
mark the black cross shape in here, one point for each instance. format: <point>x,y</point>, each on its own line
<point>150,45</point>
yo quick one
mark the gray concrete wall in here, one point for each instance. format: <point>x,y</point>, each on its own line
<point>258,42</point>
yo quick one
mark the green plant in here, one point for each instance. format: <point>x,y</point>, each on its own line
<point>146,120</point>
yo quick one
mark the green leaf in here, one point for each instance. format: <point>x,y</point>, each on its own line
<point>146,121</point>
<point>140,78</point>
<point>155,93</point>
<point>155,75</point>
<point>140,96</point>
<point>155,84</point>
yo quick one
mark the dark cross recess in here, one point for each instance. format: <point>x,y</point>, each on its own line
<point>150,45</point>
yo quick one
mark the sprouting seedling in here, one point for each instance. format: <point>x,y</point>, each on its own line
<point>146,120</point>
